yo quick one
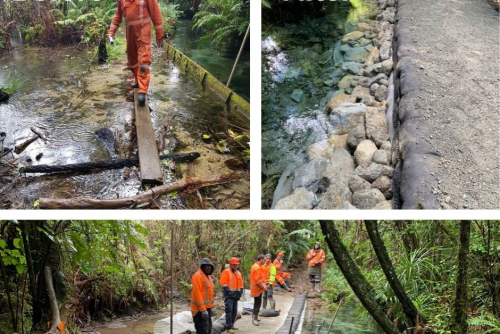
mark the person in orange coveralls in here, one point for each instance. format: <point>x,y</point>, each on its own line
<point>138,16</point>
<point>202,297</point>
<point>280,274</point>
<point>316,257</point>
<point>231,282</point>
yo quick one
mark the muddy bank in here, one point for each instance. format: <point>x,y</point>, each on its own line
<point>69,99</point>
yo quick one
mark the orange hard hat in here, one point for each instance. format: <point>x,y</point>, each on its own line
<point>234,260</point>
<point>281,253</point>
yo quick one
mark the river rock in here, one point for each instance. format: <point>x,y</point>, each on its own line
<point>345,83</point>
<point>387,66</point>
<point>363,26</point>
<point>339,141</point>
<point>338,99</point>
<point>334,197</point>
<point>370,35</point>
<point>320,150</point>
<point>337,54</point>
<point>308,175</point>
<point>363,95</point>
<point>373,57</point>
<point>285,184</point>
<point>364,152</point>
<point>297,95</point>
<point>365,81</point>
<point>339,168</point>
<point>385,205</point>
<point>386,145</point>
<point>373,88</point>
<point>364,42</point>
<point>381,93</point>
<point>352,67</point>
<point>384,184</point>
<point>357,183</point>
<point>372,171</point>
<point>300,199</point>
<point>376,125</point>
<point>381,157</point>
<point>385,50</point>
<point>378,79</point>
<point>357,134</point>
<point>371,70</point>
<point>366,199</point>
<point>346,116</point>
<point>387,15</point>
<point>358,54</point>
<point>352,36</point>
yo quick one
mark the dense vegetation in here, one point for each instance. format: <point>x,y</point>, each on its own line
<point>105,268</point>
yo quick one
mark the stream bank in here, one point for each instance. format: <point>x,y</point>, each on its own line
<point>334,110</point>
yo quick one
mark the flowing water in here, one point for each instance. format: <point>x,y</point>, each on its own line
<point>299,76</point>
<point>218,60</point>
<point>68,97</point>
<point>350,320</point>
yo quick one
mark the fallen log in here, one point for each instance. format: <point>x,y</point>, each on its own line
<point>111,164</point>
<point>118,203</point>
<point>21,147</point>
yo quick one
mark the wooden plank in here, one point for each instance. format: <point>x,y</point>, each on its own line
<point>149,159</point>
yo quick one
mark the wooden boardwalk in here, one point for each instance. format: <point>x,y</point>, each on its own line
<point>149,159</point>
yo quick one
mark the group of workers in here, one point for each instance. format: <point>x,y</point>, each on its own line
<point>264,275</point>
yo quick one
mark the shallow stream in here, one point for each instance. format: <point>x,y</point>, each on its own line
<point>69,98</point>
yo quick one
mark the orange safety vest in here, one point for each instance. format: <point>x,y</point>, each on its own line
<point>279,267</point>
<point>269,273</point>
<point>313,256</point>
<point>202,295</point>
<point>257,280</point>
<point>138,12</point>
<point>232,280</point>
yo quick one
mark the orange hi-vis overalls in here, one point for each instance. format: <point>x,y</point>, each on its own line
<point>232,280</point>
<point>269,273</point>
<point>202,296</point>
<point>257,280</point>
<point>314,257</point>
<point>138,15</point>
<point>280,275</point>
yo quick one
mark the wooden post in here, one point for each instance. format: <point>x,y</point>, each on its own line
<point>238,56</point>
<point>171,278</point>
<point>149,159</point>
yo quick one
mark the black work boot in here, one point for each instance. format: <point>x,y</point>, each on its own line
<point>141,99</point>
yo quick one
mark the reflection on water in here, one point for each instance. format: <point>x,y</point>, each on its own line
<point>349,321</point>
<point>218,60</point>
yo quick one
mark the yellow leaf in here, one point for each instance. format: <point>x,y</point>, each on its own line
<point>36,203</point>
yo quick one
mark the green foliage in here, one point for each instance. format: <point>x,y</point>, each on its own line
<point>169,12</point>
<point>118,50</point>
<point>12,83</point>
<point>222,19</point>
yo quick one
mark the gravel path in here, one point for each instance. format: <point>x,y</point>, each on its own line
<point>458,73</point>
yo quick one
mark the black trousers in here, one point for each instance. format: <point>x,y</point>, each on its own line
<point>257,304</point>
<point>231,308</point>
<point>203,326</point>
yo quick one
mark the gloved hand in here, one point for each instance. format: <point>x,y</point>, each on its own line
<point>159,42</point>
<point>204,315</point>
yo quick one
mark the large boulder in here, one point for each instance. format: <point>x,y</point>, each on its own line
<point>385,205</point>
<point>366,199</point>
<point>381,157</point>
<point>357,54</point>
<point>320,150</point>
<point>353,36</point>
<point>352,67</point>
<point>376,125</point>
<point>345,82</point>
<point>384,184</point>
<point>300,199</point>
<point>357,183</point>
<point>337,54</point>
<point>338,99</point>
<point>373,57</point>
<point>357,134</point>
<point>364,152</point>
<point>372,171</point>
<point>334,197</point>
<point>339,141</point>
<point>339,168</point>
<point>346,116</point>
<point>308,175</point>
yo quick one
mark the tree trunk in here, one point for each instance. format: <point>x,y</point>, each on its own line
<point>459,320</point>
<point>363,290</point>
<point>385,262</point>
<point>51,293</point>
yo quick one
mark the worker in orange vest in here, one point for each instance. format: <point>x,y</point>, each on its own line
<point>231,282</point>
<point>316,257</point>
<point>202,297</point>
<point>138,16</point>
<point>270,278</point>
<point>280,274</point>
<point>257,287</point>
